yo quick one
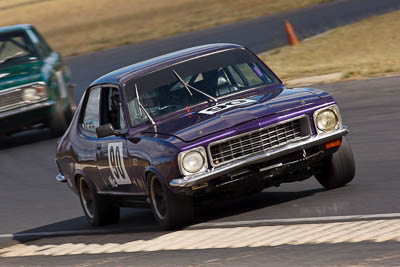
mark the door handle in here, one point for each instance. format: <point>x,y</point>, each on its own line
<point>98,146</point>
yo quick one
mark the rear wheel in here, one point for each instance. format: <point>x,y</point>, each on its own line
<point>170,210</point>
<point>98,210</point>
<point>339,169</point>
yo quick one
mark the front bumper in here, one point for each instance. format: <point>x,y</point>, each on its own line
<point>26,116</point>
<point>28,108</point>
<point>210,174</point>
<point>61,178</point>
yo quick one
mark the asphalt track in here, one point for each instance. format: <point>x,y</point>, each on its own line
<point>31,202</point>
<point>369,107</point>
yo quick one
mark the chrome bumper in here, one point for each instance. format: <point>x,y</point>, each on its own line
<point>19,110</point>
<point>210,174</point>
<point>60,178</point>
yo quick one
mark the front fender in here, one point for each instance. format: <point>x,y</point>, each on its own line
<point>74,178</point>
<point>154,156</point>
<point>318,92</point>
<point>151,170</point>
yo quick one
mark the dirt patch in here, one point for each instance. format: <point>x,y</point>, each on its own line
<point>364,49</point>
<point>73,27</point>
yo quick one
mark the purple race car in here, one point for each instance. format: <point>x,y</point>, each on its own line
<point>197,124</point>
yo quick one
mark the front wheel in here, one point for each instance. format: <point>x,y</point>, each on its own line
<point>69,112</point>
<point>170,210</point>
<point>339,169</point>
<point>59,121</point>
<point>98,210</point>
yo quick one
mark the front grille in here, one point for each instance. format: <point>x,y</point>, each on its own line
<point>10,99</point>
<point>259,140</point>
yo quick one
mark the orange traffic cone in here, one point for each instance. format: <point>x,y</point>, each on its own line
<point>292,38</point>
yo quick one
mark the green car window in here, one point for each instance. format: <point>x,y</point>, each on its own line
<point>44,46</point>
<point>16,48</point>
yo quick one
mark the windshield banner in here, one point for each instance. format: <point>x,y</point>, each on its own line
<point>223,106</point>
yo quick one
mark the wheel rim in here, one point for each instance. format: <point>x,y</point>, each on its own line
<point>158,198</point>
<point>86,197</point>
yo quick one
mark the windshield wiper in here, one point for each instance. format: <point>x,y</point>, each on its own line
<point>141,107</point>
<point>11,56</point>
<point>187,86</point>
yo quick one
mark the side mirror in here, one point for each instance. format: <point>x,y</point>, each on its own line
<point>106,130</point>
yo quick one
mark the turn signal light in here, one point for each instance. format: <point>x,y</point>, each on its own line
<point>332,144</point>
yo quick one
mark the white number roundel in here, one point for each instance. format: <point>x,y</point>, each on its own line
<point>116,162</point>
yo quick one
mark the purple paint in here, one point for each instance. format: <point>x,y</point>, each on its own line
<point>154,150</point>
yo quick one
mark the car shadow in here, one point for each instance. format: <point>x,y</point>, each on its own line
<point>136,221</point>
<point>25,138</point>
<point>232,207</point>
<point>132,221</point>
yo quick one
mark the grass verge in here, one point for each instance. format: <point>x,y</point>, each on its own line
<point>367,48</point>
<point>74,27</point>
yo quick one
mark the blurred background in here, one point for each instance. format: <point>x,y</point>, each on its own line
<point>360,37</point>
<point>339,40</point>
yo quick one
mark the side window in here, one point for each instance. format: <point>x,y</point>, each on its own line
<point>16,46</point>
<point>91,117</point>
<point>250,74</point>
<point>112,109</point>
<point>122,122</point>
<point>236,76</point>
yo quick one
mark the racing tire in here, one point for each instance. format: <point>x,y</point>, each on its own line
<point>338,169</point>
<point>3,140</point>
<point>98,210</point>
<point>69,114</point>
<point>59,121</point>
<point>70,111</point>
<point>3,137</point>
<point>170,210</point>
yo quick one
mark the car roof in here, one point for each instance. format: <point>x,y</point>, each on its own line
<point>13,28</point>
<point>127,73</point>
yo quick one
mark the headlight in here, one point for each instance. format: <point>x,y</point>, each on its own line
<point>327,119</point>
<point>34,93</point>
<point>193,161</point>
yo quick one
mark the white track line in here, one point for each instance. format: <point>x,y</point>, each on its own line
<point>380,230</point>
<point>216,224</point>
<point>56,233</point>
<point>300,220</point>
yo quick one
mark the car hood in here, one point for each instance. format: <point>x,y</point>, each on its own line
<point>197,124</point>
<point>20,74</point>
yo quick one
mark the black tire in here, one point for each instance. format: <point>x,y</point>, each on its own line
<point>60,120</point>
<point>339,169</point>
<point>3,139</point>
<point>98,211</point>
<point>170,211</point>
<point>69,112</point>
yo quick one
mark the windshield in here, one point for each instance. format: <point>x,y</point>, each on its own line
<point>217,82</point>
<point>16,48</point>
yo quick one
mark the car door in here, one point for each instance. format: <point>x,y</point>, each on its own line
<point>112,155</point>
<point>85,147</point>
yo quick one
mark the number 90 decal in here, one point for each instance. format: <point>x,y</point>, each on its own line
<point>227,105</point>
<point>116,162</point>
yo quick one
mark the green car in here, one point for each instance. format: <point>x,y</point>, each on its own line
<point>35,84</point>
